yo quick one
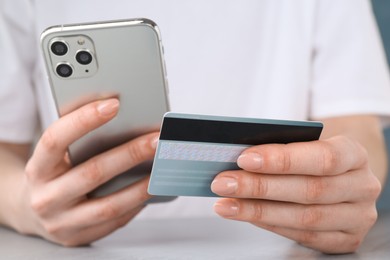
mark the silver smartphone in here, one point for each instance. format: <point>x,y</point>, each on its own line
<point>94,61</point>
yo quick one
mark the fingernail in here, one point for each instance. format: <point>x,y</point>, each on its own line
<point>250,161</point>
<point>108,107</point>
<point>227,208</point>
<point>154,142</point>
<point>224,185</point>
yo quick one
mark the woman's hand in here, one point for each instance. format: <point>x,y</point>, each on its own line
<point>55,204</point>
<point>321,194</point>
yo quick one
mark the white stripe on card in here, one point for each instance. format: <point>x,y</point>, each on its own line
<point>193,151</point>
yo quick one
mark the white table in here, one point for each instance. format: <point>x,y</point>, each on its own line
<point>202,238</point>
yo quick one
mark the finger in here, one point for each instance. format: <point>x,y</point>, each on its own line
<point>97,232</point>
<point>72,187</point>
<point>324,157</point>
<point>350,187</point>
<point>52,146</point>
<point>93,233</point>
<point>103,167</point>
<point>100,210</point>
<point>338,217</point>
<point>329,242</point>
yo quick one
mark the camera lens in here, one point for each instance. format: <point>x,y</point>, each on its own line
<point>84,57</point>
<point>59,48</point>
<point>64,70</point>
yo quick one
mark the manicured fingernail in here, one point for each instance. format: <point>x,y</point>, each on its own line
<point>224,185</point>
<point>227,208</point>
<point>250,161</point>
<point>108,107</point>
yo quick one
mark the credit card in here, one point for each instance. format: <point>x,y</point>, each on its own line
<point>193,149</point>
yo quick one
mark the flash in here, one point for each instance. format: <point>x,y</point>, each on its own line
<point>81,41</point>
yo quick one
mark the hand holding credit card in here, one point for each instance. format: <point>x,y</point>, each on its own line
<point>193,149</point>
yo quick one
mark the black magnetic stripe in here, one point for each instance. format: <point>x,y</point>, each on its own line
<point>195,130</point>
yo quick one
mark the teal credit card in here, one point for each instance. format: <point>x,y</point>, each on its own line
<point>193,149</point>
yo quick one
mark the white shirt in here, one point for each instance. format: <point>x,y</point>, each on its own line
<point>282,59</point>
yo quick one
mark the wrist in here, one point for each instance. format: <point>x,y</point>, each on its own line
<point>14,211</point>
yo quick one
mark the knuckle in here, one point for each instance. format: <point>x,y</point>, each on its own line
<point>31,171</point>
<point>258,212</point>
<point>107,211</point>
<point>286,160</point>
<point>353,244</point>
<point>311,217</point>
<point>374,188</point>
<point>259,187</point>
<point>315,189</point>
<point>40,204</point>
<point>137,150</point>
<point>51,228</point>
<point>330,160</point>
<point>342,244</point>
<point>92,171</point>
<point>371,216</point>
<point>49,141</point>
<point>308,238</point>
<point>362,152</point>
<point>279,158</point>
<point>81,119</point>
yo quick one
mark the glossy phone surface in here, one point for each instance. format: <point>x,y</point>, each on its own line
<point>121,59</point>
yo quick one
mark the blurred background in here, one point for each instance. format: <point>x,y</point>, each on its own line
<point>382,13</point>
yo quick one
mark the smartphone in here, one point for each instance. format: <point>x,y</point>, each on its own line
<point>94,61</point>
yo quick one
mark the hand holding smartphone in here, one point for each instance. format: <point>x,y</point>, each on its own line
<point>114,59</point>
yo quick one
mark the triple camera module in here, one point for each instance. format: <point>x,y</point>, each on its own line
<point>73,57</point>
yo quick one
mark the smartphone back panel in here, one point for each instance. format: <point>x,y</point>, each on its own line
<point>126,63</point>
